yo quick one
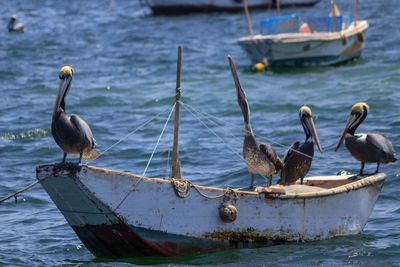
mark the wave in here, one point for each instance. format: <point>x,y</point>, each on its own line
<point>30,134</point>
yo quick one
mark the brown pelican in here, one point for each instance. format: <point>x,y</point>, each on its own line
<point>370,147</point>
<point>72,134</point>
<point>12,27</point>
<point>260,159</point>
<point>298,158</point>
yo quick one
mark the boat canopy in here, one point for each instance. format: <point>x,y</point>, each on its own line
<point>295,23</point>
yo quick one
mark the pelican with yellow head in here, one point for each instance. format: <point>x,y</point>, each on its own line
<point>15,27</point>
<point>298,157</point>
<point>72,134</point>
<point>369,147</point>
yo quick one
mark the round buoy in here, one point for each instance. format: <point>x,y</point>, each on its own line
<point>258,67</point>
<point>228,212</point>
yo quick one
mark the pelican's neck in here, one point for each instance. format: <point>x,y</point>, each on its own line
<point>11,24</point>
<point>248,130</point>
<point>306,129</point>
<point>62,105</point>
<point>352,130</point>
<point>246,118</point>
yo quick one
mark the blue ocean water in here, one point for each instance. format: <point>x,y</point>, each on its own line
<point>125,70</point>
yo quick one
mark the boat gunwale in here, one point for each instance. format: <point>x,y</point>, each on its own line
<point>361,26</point>
<point>357,184</point>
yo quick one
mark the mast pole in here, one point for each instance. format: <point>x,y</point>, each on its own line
<point>333,2</point>
<point>278,7</point>
<point>176,165</point>
<point>246,10</point>
<point>356,15</point>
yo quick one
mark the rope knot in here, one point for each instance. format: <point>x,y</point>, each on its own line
<point>181,187</point>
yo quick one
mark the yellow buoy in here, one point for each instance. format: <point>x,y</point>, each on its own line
<point>258,67</point>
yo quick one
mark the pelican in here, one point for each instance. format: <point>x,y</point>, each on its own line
<point>12,27</point>
<point>260,159</point>
<point>369,147</point>
<point>298,158</point>
<point>72,134</point>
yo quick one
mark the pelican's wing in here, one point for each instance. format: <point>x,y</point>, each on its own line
<point>271,155</point>
<point>381,142</point>
<point>82,127</point>
<point>291,150</point>
<point>85,130</point>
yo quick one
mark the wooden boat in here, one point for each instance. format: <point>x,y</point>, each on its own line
<point>296,41</point>
<point>160,7</point>
<point>119,215</point>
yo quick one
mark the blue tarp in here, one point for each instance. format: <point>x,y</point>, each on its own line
<point>291,23</point>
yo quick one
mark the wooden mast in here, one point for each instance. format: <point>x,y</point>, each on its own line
<point>356,14</point>
<point>176,165</point>
<point>246,11</point>
<point>278,7</point>
<point>333,2</point>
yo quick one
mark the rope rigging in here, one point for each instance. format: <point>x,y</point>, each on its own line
<point>151,157</point>
<point>134,131</point>
<point>240,128</point>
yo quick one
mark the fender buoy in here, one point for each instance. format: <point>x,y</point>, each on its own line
<point>228,212</point>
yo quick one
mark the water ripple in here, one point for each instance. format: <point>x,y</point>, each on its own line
<point>31,134</point>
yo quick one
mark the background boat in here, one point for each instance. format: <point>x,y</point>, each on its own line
<point>188,6</point>
<point>295,40</point>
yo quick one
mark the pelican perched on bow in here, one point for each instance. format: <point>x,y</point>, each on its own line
<point>260,159</point>
<point>369,147</point>
<point>298,158</point>
<point>72,134</point>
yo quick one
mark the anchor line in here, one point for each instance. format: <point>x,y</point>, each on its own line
<point>149,161</point>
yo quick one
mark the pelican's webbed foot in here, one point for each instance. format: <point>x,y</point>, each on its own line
<point>60,165</point>
<point>75,166</point>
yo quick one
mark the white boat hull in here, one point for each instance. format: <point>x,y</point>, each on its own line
<point>121,215</point>
<point>306,49</point>
<point>187,6</point>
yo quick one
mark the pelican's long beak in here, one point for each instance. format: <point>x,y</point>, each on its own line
<point>239,89</point>
<point>349,122</point>
<point>65,84</point>
<point>310,123</point>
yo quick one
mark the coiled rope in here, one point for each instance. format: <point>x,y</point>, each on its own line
<point>182,189</point>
